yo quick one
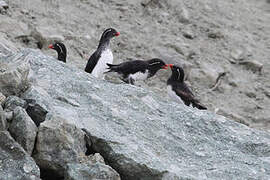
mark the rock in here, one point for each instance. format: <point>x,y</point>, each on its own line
<point>95,171</point>
<point>12,102</point>
<point>140,134</point>
<point>3,4</point>
<point>14,72</point>
<point>58,143</point>
<point>233,116</point>
<point>254,66</point>
<point>3,121</point>
<point>36,112</point>
<point>9,115</point>
<point>92,159</point>
<point>15,164</point>
<point>3,7</point>
<point>2,99</point>
<point>188,33</point>
<point>23,129</point>
<point>6,47</point>
<point>238,54</point>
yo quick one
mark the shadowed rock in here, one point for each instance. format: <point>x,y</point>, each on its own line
<point>16,164</point>
<point>23,129</point>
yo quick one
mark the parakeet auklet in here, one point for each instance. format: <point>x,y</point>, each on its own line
<point>61,50</point>
<point>132,71</point>
<point>179,91</point>
<point>96,64</point>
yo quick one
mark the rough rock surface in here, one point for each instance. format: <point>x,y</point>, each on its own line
<point>3,121</point>
<point>15,163</point>
<point>12,102</point>
<point>140,134</point>
<point>211,35</point>
<point>95,171</point>
<point>23,129</point>
<point>13,75</point>
<point>58,143</point>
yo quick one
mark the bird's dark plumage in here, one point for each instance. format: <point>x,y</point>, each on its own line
<point>177,88</point>
<point>61,50</point>
<point>102,53</point>
<point>137,70</point>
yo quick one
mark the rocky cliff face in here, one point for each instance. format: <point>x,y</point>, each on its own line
<point>58,122</point>
<point>139,134</point>
<point>207,37</point>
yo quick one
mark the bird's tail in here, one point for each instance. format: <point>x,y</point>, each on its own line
<point>199,105</point>
<point>111,67</point>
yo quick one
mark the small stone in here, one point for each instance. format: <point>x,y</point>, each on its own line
<point>254,66</point>
<point>237,54</point>
<point>36,111</point>
<point>3,4</point>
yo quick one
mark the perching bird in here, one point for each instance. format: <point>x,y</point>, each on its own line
<point>132,71</point>
<point>179,91</point>
<point>96,64</point>
<point>61,50</point>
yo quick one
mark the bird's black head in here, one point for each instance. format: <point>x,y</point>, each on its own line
<point>177,73</point>
<point>108,34</point>
<point>156,64</point>
<point>61,50</point>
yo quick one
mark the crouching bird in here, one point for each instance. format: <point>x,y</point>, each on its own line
<point>132,71</point>
<point>179,91</point>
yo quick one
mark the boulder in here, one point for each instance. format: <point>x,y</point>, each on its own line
<point>15,163</point>
<point>95,171</point>
<point>23,129</point>
<point>3,121</point>
<point>12,102</point>
<point>36,111</point>
<point>58,143</point>
<point>140,134</point>
<point>14,72</point>
<point>2,99</point>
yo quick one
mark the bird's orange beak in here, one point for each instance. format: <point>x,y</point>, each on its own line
<point>171,65</point>
<point>165,66</point>
<point>50,46</point>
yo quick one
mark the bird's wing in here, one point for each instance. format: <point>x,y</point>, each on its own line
<point>132,67</point>
<point>92,61</point>
<point>187,96</point>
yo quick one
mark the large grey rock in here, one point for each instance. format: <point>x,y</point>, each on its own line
<point>95,171</point>
<point>12,102</point>
<point>23,129</point>
<point>58,143</point>
<point>15,163</point>
<point>141,135</point>
<point>3,121</point>
<point>14,70</point>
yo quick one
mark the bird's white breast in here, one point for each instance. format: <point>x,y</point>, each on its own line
<point>173,95</point>
<point>139,75</point>
<point>101,66</point>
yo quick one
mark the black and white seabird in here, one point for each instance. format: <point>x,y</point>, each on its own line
<point>96,64</point>
<point>61,50</point>
<point>179,91</point>
<point>132,71</point>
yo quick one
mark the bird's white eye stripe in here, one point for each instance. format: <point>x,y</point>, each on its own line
<point>60,48</point>
<point>154,63</point>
